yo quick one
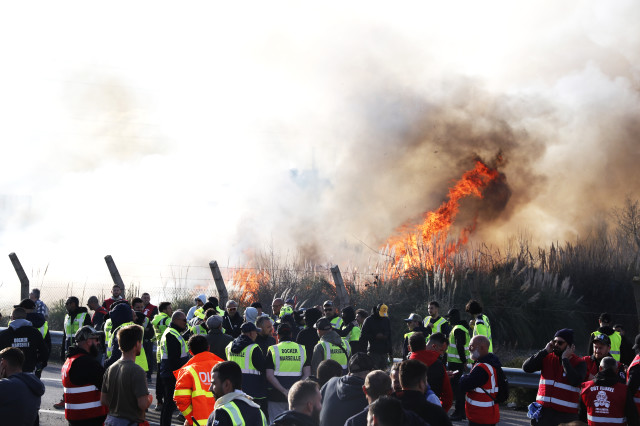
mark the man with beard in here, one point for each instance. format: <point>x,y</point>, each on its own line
<point>124,388</point>
<point>561,374</point>
<point>232,320</point>
<point>264,339</point>
<point>601,349</point>
<point>305,403</point>
<point>116,294</point>
<point>233,407</point>
<point>606,328</point>
<point>82,380</point>
<point>173,354</point>
<point>480,384</point>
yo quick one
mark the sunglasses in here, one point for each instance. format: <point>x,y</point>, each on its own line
<point>232,309</point>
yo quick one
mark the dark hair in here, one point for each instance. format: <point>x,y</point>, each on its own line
<point>13,356</point>
<point>605,317</point>
<point>19,313</point>
<point>209,313</point>
<point>208,305</point>
<point>417,342</point>
<point>92,299</point>
<point>311,316</point>
<point>198,343</point>
<point>434,303</point>
<point>128,337</point>
<point>256,305</point>
<point>301,392</point>
<point>378,383</point>
<point>438,338</point>
<point>618,326</point>
<point>213,300</point>
<point>362,313</point>
<point>74,300</point>
<point>136,300</point>
<point>114,286</point>
<point>473,307</point>
<point>229,370</point>
<point>146,294</point>
<point>328,369</point>
<point>387,411</point>
<point>163,306</point>
<point>412,372</point>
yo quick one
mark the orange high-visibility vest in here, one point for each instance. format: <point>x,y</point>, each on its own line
<point>192,394</point>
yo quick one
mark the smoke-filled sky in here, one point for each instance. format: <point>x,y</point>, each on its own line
<point>174,135</point>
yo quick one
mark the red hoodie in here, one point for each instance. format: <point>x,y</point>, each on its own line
<point>436,376</point>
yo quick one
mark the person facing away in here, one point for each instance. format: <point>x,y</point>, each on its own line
<point>124,387</point>
<point>99,313</point>
<point>606,400</point>
<point>193,380</point>
<point>233,407</point>
<point>308,336</point>
<point>21,392</point>
<point>305,403</point>
<point>41,307</point>
<point>633,374</point>
<point>217,338</point>
<point>330,346</point>
<point>386,411</point>
<point>21,334</point>
<point>437,376</point>
<point>376,335</point>
<point>39,322</point>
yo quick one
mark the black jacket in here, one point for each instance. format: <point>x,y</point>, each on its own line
<point>253,385</point>
<point>478,376</point>
<point>218,341</point>
<point>431,413</point>
<point>232,325</point>
<point>308,338</point>
<point>342,397</point>
<point>293,418</point>
<point>66,339</point>
<point>174,360</point>
<point>21,334</point>
<point>376,334</point>
<point>575,375</point>
<point>460,337</point>
<point>37,320</point>
<point>85,370</point>
<point>20,400</point>
<point>410,419</point>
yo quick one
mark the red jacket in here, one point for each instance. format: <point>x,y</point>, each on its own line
<point>605,404</point>
<point>436,376</point>
<point>149,310</point>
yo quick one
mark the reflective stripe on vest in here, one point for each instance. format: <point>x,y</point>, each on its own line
<point>243,359</point>
<point>234,413</point>
<point>355,333</point>
<point>337,354</point>
<point>336,322</point>
<point>141,359</point>
<point>480,405</point>
<point>184,351</point>
<point>81,402</point>
<point>198,392</point>
<point>44,329</point>
<point>636,395</point>
<point>287,367</point>
<point>452,350</point>
<point>596,419</point>
<point>437,326</point>
<point>483,329</point>
<point>616,342</point>
<point>71,327</point>
<point>493,389</point>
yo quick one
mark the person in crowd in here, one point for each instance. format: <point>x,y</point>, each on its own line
<point>394,375</point>
<point>41,307</point>
<point>124,387</point>
<point>286,363</point>
<point>216,305</point>
<point>265,337</point>
<point>480,384</point>
<point>143,321</point>
<point>438,378</point>
<point>192,395</point>
<point>217,338</point>
<point>386,411</point>
<point>258,307</point>
<point>601,349</point>
<point>414,324</point>
<point>606,328</point>
<point>148,309</point>
<point>199,318</point>
<point>109,326</point>
<point>305,403</point>
<point>122,315</point>
<point>233,407</point>
<point>327,370</point>
<point>74,320</point>
<point>160,322</point>
<point>343,397</point>
<point>20,392</point>
<point>82,376</point>
<point>482,327</point>
<point>116,294</point>
<point>276,307</point>
<point>173,354</point>
<point>376,335</point>
<point>199,302</point>
<point>633,375</point>
<point>378,384</point>
<point>457,359</point>
<point>330,346</point>
<point>99,313</point>
<point>414,383</point>
<point>38,322</point>
<point>309,336</point>
<point>250,314</point>
<point>332,315</point>
<point>361,315</point>
<point>245,352</point>
<point>605,400</point>
<point>561,374</point>
<point>232,320</point>
<point>351,330</point>
<point>434,323</point>
<point>626,351</point>
<point>290,319</point>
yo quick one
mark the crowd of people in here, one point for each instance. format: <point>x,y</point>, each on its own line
<point>315,366</point>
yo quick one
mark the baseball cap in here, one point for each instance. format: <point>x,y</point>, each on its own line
<point>26,304</point>
<point>214,321</point>
<point>360,362</point>
<point>323,324</point>
<point>85,333</point>
<point>602,338</point>
<point>413,317</point>
<point>284,328</point>
<point>327,303</point>
<point>248,327</point>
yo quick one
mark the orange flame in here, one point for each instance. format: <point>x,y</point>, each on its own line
<point>411,245</point>
<point>249,280</point>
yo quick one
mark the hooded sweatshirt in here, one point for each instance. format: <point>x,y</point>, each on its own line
<point>293,418</point>
<point>20,400</point>
<point>251,314</point>
<point>38,320</point>
<point>192,310</point>
<point>21,334</point>
<point>250,411</point>
<point>436,376</point>
<point>318,351</point>
<point>376,334</point>
<point>309,336</point>
<point>342,397</point>
<point>253,384</point>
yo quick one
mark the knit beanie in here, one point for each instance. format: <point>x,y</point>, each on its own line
<point>566,334</point>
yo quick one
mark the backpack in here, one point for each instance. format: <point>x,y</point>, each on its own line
<point>503,386</point>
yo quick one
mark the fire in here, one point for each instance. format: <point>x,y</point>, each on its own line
<point>248,280</point>
<point>426,244</point>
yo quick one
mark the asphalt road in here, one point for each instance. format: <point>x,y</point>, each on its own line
<point>49,416</point>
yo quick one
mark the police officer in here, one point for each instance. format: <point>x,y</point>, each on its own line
<point>330,346</point>
<point>173,355</point>
<point>287,362</point>
<point>247,354</point>
<point>21,334</point>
